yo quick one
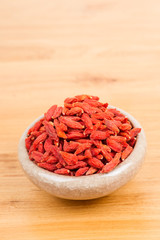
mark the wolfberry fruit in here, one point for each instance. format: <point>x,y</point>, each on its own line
<point>84,137</point>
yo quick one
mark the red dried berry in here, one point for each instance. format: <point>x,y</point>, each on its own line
<point>50,130</point>
<point>126,152</point>
<point>87,121</point>
<point>75,135</point>
<point>96,163</point>
<point>75,111</point>
<point>79,164</point>
<point>57,112</point>
<point>133,133</point>
<point>47,166</point>
<point>82,147</point>
<point>48,144</point>
<point>82,138</point>
<point>52,160</point>
<point>69,158</point>
<point>36,156</point>
<point>91,171</point>
<point>99,135</point>
<point>48,115</point>
<point>62,171</point>
<point>59,131</point>
<point>111,125</point>
<point>36,127</point>
<point>88,153</point>
<point>71,123</point>
<point>125,126</point>
<point>81,171</point>
<point>41,147</point>
<point>115,146</point>
<point>112,164</point>
<point>28,142</point>
<point>72,146</point>
<point>132,142</point>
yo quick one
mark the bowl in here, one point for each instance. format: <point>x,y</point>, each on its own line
<point>84,187</point>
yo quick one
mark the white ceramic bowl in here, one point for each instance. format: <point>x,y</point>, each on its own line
<point>84,187</point>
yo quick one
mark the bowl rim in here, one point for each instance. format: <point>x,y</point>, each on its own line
<point>26,163</point>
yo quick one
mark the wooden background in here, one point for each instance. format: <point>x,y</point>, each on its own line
<point>53,49</point>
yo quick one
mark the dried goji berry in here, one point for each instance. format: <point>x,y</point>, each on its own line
<point>71,146</point>
<point>96,163</point>
<point>125,134</point>
<point>36,127</point>
<point>132,142</point>
<point>47,166</point>
<point>101,115</point>
<point>71,123</point>
<point>63,127</point>
<point>55,151</point>
<point>35,134</point>
<point>91,170</point>
<point>88,153</point>
<point>87,121</point>
<point>81,157</point>
<point>86,107</point>
<point>45,156</point>
<point>87,132</point>
<point>52,159</point>
<point>115,146</point>
<point>59,131</point>
<point>95,151</point>
<point>99,135</point>
<point>79,164</point>
<point>57,112</point>
<point>82,138</point>
<point>117,123</point>
<point>81,171</point>
<point>82,147</point>
<point>50,130</point>
<point>48,115</point>
<point>59,165</point>
<point>102,146</point>
<point>106,154</point>
<point>94,98</point>
<point>70,100</point>
<point>41,147</point>
<point>133,133</point>
<point>111,126</point>
<point>125,126</point>
<point>112,164</point>
<point>74,118</point>
<point>81,98</point>
<point>126,152</point>
<point>116,112</point>
<point>75,135</point>
<point>69,158</point>
<point>119,139</point>
<point>36,156</point>
<point>75,111</point>
<point>62,171</point>
<point>28,142</point>
<point>40,138</point>
<point>93,103</point>
<point>48,144</point>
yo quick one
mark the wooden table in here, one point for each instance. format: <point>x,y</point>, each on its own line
<point>53,49</point>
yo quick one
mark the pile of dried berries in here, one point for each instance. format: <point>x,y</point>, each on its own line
<point>82,138</point>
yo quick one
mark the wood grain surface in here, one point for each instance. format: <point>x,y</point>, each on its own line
<point>53,49</point>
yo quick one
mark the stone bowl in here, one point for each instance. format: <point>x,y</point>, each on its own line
<point>84,187</point>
